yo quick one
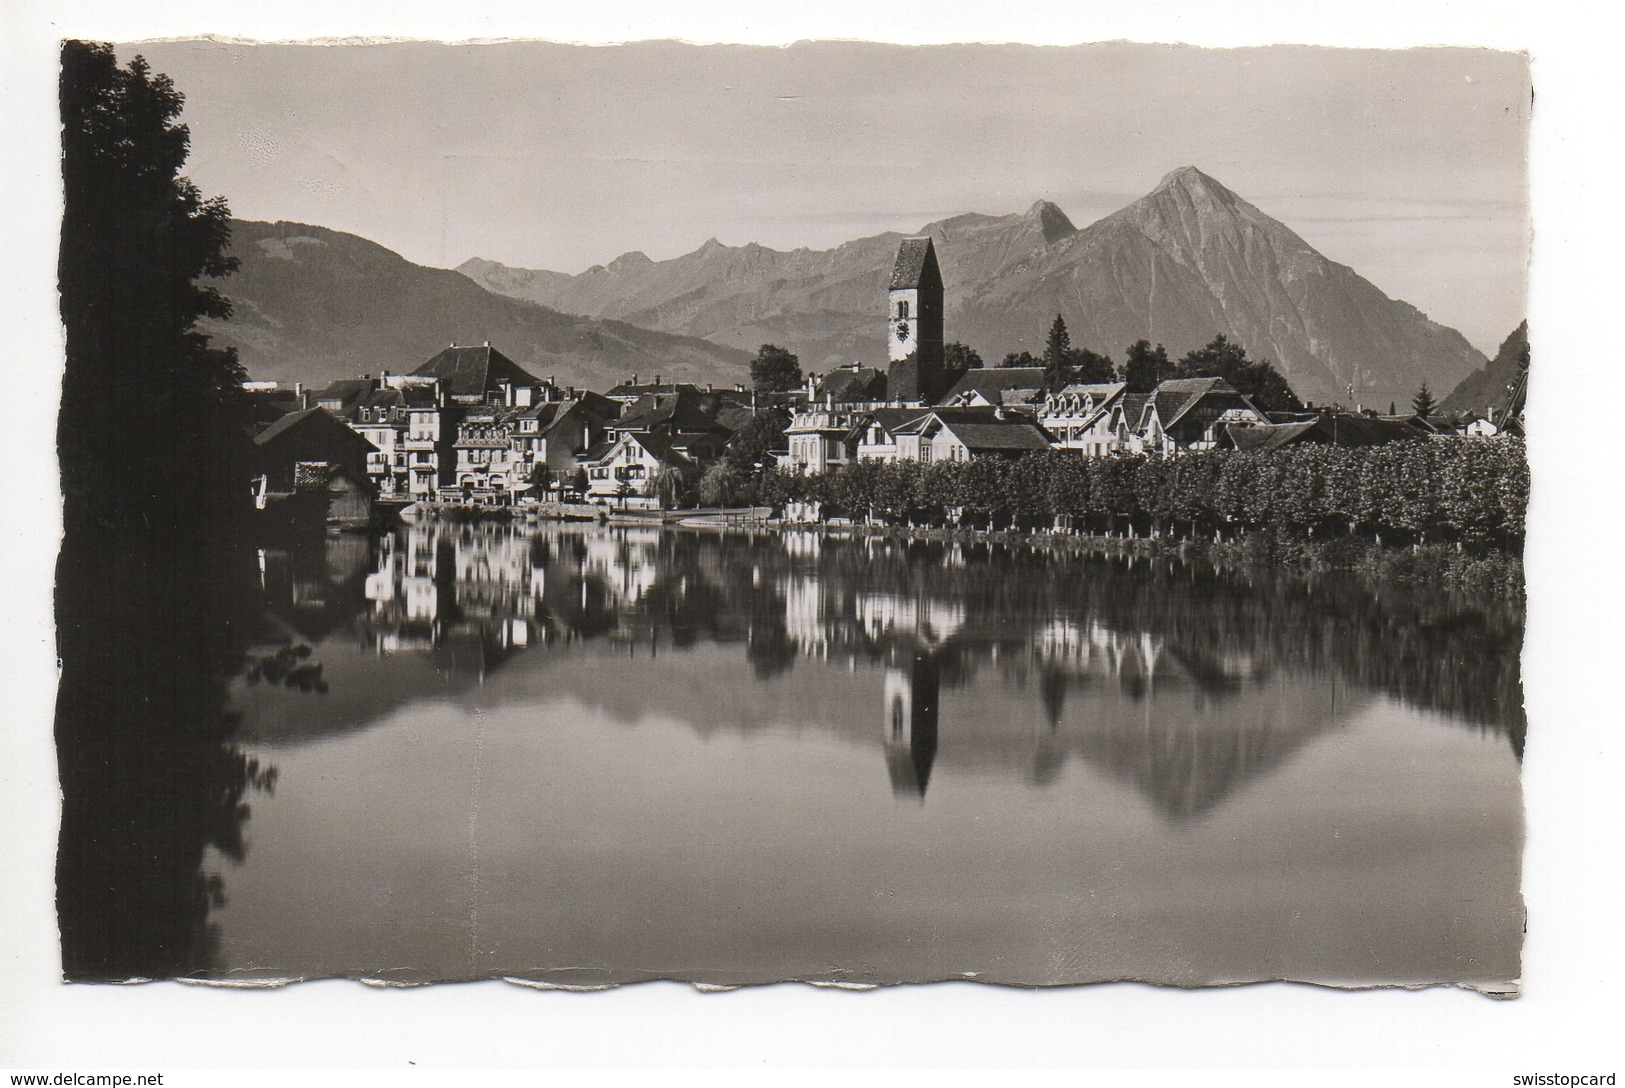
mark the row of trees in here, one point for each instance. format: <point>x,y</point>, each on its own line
<point>1469,491</point>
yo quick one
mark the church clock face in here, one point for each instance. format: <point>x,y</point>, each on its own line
<point>902,330</point>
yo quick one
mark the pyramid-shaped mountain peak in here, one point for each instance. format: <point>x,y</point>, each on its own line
<point>1189,184</point>
<point>1051,220</point>
<point>1189,177</point>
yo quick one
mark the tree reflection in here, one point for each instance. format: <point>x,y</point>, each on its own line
<point>148,640</point>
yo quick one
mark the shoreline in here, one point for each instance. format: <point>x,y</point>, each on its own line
<point>1444,566</point>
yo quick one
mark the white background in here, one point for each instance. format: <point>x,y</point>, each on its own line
<point>1565,1022</point>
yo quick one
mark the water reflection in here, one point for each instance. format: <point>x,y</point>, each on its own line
<point>1182,681</point>
<point>152,784</point>
<point>759,757</point>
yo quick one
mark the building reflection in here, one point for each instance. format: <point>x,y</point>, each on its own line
<point>1184,684</point>
<point>910,722</point>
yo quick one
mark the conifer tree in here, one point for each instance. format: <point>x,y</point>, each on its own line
<point>1423,403</point>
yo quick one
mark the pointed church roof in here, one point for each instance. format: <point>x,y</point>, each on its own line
<point>916,264</point>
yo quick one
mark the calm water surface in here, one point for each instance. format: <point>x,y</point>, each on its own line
<point>589,754</point>
<point>594,754</point>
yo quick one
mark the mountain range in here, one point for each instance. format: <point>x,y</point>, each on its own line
<point>1186,261</point>
<point>312,304</point>
<point>1488,389</point>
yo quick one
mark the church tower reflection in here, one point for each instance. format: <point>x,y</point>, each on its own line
<point>910,702</point>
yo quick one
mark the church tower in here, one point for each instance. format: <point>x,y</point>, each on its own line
<point>910,722</point>
<point>914,317</point>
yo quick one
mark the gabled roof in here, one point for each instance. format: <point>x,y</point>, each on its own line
<point>1267,436</point>
<point>1177,396</point>
<point>849,384</point>
<point>998,437</point>
<point>992,382</point>
<point>629,390</point>
<point>597,451</point>
<point>309,417</point>
<point>382,398</point>
<point>969,413</point>
<point>346,392</point>
<point>475,371</point>
<point>733,417</point>
<point>916,264</point>
<point>545,413</point>
<point>658,448</point>
<point>1341,429</point>
<point>1099,390</point>
<point>1133,408</point>
<point>680,411</point>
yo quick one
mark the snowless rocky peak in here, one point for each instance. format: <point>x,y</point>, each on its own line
<point>1051,221</point>
<point>1190,185</point>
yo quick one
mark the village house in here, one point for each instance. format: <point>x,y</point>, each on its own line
<point>630,466</point>
<point>308,437</point>
<point>822,438</point>
<point>631,390</point>
<point>312,467</point>
<point>686,421</point>
<point>1019,387</point>
<point>481,375</point>
<point>490,466</point>
<point>553,433</point>
<point>1193,414</point>
<point>960,434</point>
<point>1326,429</point>
<point>876,434</point>
<point>1079,417</point>
<point>848,384</point>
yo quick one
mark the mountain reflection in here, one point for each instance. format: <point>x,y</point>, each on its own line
<point>1182,682</point>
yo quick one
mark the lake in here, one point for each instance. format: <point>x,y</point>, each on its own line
<point>588,754</point>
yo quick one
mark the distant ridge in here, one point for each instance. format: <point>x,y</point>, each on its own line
<point>1485,389</point>
<point>1186,261</point>
<point>312,304</point>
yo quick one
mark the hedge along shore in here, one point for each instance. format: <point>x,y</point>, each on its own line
<point>1491,574</point>
<point>1469,492</point>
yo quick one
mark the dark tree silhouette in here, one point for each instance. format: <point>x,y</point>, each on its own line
<point>1256,378</point>
<point>1423,402</point>
<point>154,580</point>
<point>151,433</point>
<point>752,448</point>
<point>1084,365</point>
<point>1056,349</point>
<point>957,361</point>
<point>1145,366</point>
<point>775,370</point>
<point>1020,358</point>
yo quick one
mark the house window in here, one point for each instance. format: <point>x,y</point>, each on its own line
<point>902,310</point>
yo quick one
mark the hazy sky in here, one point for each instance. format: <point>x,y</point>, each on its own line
<point>1408,166</point>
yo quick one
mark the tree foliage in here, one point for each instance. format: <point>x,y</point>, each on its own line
<point>1465,490</point>
<point>957,361</point>
<point>1256,378</point>
<point>1144,367</point>
<point>1423,403</point>
<point>152,431</point>
<point>1084,365</point>
<point>775,370</point>
<point>1057,348</point>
